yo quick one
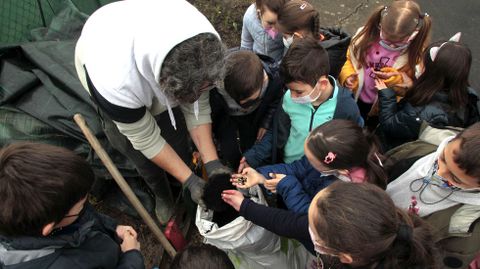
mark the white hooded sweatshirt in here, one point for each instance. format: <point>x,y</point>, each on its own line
<point>430,198</point>
<point>123,45</point>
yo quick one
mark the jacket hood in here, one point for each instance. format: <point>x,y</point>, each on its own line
<point>335,36</point>
<point>127,42</point>
<point>271,68</point>
<point>15,250</point>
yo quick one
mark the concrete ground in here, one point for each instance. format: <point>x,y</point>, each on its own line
<point>448,18</point>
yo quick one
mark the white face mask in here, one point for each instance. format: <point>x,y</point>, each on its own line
<point>305,99</point>
<point>316,246</point>
<point>287,42</point>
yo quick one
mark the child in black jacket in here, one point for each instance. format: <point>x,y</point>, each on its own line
<point>45,219</point>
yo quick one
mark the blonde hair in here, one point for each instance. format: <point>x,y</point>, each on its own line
<point>400,19</point>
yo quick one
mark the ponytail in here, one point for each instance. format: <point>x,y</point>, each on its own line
<point>420,42</point>
<point>316,25</point>
<point>374,166</point>
<point>376,233</point>
<point>413,246</point>
<point>352,147</point>
<point>401,18</point>
<point>366,37</point>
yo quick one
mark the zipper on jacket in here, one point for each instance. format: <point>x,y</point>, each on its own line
<point>311,120</point>
<point>312,117</point>
<point>265,43</point>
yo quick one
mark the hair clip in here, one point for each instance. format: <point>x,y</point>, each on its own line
<point>422,16</point>
<point>303,6</point>
<point>384,11</point>
<point>434,50</point>
<point>378,159</point>
<point>329,157</point>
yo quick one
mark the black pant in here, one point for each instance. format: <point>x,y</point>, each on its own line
<point>234,135</point>
<point>154,176</point>
<point>177,139</point>
<point>371,122</point>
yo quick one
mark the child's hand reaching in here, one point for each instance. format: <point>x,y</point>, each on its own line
<point>380,84</point>
<point>129,238</point>
<point>122,229</point>
<point>385,75</point>
<point>407,81</point>
<point>260,134</point>
<point>248,178</point>
<point>233,198</point>
<point>271,184</point>
<point>243,165</point>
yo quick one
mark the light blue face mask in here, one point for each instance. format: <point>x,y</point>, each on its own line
<point>437,180</point>
<point>388,47</point>
<point>442,182</point>
<point>399,46</point>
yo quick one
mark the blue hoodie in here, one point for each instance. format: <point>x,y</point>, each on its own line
<point>300,185</point>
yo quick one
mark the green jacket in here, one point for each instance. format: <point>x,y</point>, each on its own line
<point>457,231</point>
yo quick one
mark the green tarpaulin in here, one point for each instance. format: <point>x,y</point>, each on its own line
<point>40,91</point>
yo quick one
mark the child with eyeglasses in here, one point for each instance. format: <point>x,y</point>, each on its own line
<point>244,104</point>
<point>441,95</point>
<point>390,44</point>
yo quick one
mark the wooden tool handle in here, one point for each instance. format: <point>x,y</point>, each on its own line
<point>102,154</point>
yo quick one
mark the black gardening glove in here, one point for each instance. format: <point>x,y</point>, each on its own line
<point>196,186</point>
<point>215,167</point>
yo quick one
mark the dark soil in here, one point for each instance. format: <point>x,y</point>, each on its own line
<point>226,16</point>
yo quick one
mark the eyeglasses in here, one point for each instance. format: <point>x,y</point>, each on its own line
<point>391,44</point>
<point>258,99</point>
<point>73,215</point>
<point>251,102</point>
<point>76,215</point>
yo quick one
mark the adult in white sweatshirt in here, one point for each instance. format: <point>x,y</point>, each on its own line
<point>140,60</point>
